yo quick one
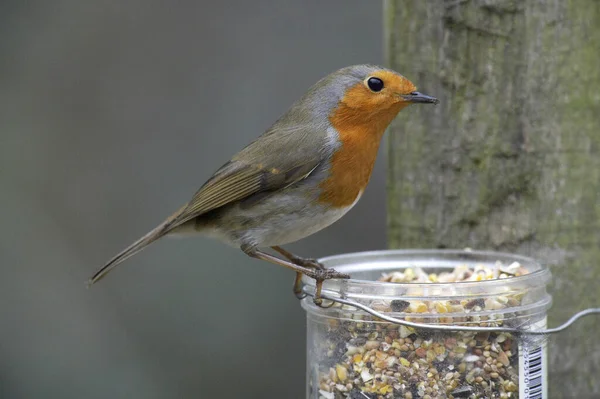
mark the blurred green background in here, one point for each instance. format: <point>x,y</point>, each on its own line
<point>112,114</point>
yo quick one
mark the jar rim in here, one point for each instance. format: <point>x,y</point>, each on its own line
<point>384,260</point>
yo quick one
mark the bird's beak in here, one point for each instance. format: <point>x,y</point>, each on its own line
<point>416,97</point>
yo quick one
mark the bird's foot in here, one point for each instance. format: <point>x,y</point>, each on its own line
<point>320,275</point>
<point>298,287</point>
<point>326,274</point>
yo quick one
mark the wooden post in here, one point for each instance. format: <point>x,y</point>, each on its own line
<point>510,158</point>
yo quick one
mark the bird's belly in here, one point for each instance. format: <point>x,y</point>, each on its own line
<point>293,227</point>
<point>278,220</point>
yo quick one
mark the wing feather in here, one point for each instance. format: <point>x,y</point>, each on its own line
<point>254,170</point>
<point>238,185</point>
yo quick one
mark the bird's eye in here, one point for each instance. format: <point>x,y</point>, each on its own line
<point>375,84</point>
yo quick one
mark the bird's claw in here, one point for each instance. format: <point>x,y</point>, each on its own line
<point>320,275</point>
<point>300,295</point>
<point>298,287</point>
<point>319,303</point>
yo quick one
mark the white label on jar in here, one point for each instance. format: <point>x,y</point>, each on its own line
<point>533,371</point>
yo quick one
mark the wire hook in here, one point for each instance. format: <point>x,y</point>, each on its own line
<point>442,327</point>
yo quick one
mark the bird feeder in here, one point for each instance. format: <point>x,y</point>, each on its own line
<point>474,303</point>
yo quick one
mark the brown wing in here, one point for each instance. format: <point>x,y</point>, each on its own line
<point>280,157</point>
<point>236,181</point>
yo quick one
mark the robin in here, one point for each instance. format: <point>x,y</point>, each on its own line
<point>304,173</point>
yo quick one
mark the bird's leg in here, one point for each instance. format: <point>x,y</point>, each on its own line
<point>319,275</point>
<point>298,260</point>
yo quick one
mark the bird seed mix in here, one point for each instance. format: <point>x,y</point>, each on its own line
<point>364,359</point>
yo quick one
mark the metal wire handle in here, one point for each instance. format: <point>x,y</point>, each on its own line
<point>441,327</point>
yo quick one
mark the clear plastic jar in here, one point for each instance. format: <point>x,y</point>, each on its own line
<point>351,354</point>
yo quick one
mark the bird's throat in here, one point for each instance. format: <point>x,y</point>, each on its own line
<point>351,165</point>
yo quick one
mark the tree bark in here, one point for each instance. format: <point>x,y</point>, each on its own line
<point>510,158</point>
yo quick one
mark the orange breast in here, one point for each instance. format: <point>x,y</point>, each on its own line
<point>360,131</point>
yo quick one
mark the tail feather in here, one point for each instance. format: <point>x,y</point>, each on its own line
<point>136,247</point>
